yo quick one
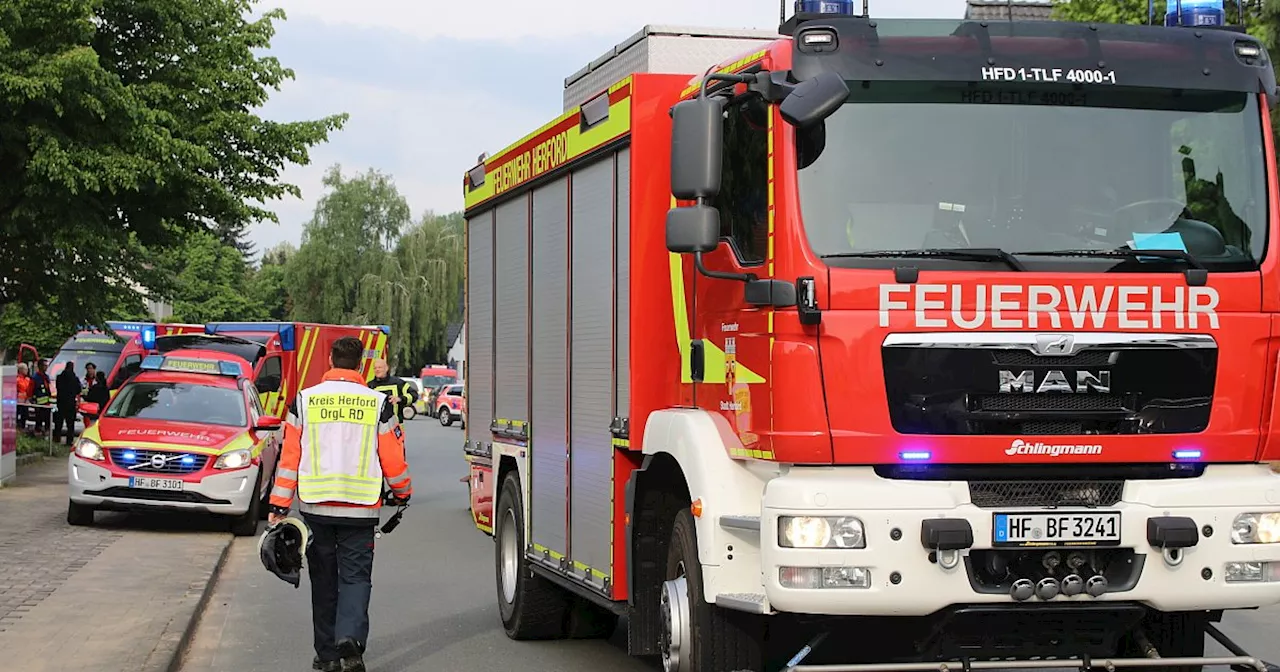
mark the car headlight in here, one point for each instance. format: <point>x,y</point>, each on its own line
<point>235,459</point>
<point>1256,528</point>
<point>820,532</point>
<point>89,450</point>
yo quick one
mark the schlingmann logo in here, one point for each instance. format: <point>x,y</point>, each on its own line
<point>1020,447</point>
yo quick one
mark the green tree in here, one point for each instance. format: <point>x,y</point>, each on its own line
<point>47,328</point>
<point>267,285</point>
<point>415,291</point>
<point>354,227</point>
<point>123,125</point>
<point>210,281</point>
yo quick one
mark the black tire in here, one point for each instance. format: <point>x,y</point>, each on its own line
<point>79,515</point>
<point>446,417</point>
<point>246,524</point>
<point>723,640</point>
<point>410,412</point>
<point>265,508</point>
<point>587,620</point>
<point>536,608</point>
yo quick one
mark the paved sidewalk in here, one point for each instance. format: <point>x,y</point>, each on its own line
<point>122,595</point>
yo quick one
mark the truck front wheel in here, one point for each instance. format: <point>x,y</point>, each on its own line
<point>531,607</point>
<point>697,636</point>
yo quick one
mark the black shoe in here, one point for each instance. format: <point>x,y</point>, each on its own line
<point>326,665</point>
<point>352,655</point>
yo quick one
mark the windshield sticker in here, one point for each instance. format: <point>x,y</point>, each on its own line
<point>1049,75</point>
<point>1000,97</point>
<point>985,307</point>
<point>1158,241</point>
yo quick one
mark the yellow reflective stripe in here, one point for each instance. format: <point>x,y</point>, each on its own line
<point>366,443</point>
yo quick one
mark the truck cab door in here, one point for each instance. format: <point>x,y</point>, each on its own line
<point>269,380</point>
<point>734,337</point>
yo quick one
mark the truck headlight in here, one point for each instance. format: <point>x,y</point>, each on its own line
<point>235,459</point>
<point>820,532</point>
<point>89,450</point>
<point>1256,528</point>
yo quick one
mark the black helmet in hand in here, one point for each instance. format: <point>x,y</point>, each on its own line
<point>281,548</point>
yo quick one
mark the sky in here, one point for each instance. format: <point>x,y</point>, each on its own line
<point>431,84</point>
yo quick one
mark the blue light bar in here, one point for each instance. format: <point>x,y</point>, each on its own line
<point>152,363</point>
<point>149,337</point>
<point>1195,13</point>
<point>230,368</point>
<point>844,7</point>
<point>914,455</point>
<point>1186,454</point>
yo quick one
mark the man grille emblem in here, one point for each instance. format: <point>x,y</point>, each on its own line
<point>1055,344</point>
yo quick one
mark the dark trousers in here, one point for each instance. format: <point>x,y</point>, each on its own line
<point>66,417</point>
<point>42,418</point>
<point>340,565</point>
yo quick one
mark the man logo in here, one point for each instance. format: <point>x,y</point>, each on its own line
<point>1055,344</point>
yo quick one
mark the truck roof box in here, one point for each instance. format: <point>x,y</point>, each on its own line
<point>659,49</point>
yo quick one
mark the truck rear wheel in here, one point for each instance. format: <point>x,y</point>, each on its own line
<point>697,636</point>
<point>531,607</point>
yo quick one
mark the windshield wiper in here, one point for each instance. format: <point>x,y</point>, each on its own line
<point>1197,274</point>
<point>957,253</point>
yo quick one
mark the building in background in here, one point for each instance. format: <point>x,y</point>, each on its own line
<point>456,336</point>
<point>1021,10</point>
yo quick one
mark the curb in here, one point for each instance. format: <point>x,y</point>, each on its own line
<point>171,661</point>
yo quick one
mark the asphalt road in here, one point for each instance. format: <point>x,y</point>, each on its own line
<point>434,606</point>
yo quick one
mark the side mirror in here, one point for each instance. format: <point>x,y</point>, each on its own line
<point>693,229</point>
<point>89,408</point>
<point>268,423</point>
<point>813,100</point>
<point>697,148</point>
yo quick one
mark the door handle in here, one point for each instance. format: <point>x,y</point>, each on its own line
<point>697,360</point>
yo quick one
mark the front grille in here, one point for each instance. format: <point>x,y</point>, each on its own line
<point>1050,402</point>
<point>1004,494</point>
<point>140,461</point>
<point>1130,386</point>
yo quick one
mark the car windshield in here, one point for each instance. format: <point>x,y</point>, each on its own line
<point>913,166</point>
<point>179,402</point>
<point>434,382</point>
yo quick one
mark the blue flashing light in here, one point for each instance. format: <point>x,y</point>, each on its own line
<point>149,337</point>
<point>152,362</point>
<point>844,7</point>
<point>288,339</point>
<point>1187,454</point>
<point>187,460</point>
<point>1195,13</point>
<point>230,369</point>
<point>129,456</point>
<point>915,455</point>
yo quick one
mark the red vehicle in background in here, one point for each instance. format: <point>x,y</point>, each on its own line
<point>433,378</point>
<point>119,355</point>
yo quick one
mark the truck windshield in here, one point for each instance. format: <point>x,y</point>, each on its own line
<point>179,402</point>
<point>100,350</point>
<point>911,166</point>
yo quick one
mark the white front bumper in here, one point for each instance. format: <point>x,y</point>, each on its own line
<point>230,493</point>
<point>883,505</point>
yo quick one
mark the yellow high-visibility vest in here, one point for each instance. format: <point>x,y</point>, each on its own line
<point>340,423</point>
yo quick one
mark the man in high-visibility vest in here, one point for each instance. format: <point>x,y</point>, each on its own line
<point>342,442</point>
<point>401,392</point>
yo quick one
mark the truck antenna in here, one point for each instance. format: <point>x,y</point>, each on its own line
<point>782,12</point>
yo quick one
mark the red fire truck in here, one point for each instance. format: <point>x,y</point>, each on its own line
<point>908,341</point>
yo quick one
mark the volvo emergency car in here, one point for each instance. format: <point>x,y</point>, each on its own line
<point>186,434</point>
<point>885,341</point>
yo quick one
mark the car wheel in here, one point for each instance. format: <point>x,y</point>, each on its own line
<point>446,418</point>
<point>410,413</point>
<point>246,524</point>
<point>79,514</point>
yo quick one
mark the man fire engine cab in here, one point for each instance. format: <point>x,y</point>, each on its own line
<point>187,433</point>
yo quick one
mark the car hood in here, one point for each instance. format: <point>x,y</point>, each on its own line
<point>211,438</point>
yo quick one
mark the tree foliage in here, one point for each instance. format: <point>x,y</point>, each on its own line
<point>126,125</point>
<point>211,281</point>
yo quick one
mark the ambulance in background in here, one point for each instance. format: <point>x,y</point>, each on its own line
<point>119,355</point>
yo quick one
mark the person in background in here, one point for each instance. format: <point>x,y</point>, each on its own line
<point>97,394</point>
<point>90,374</point>
<point>42,395</point>
<point>401,392</point>
<point>69,390</point>
<point>24,396</point>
